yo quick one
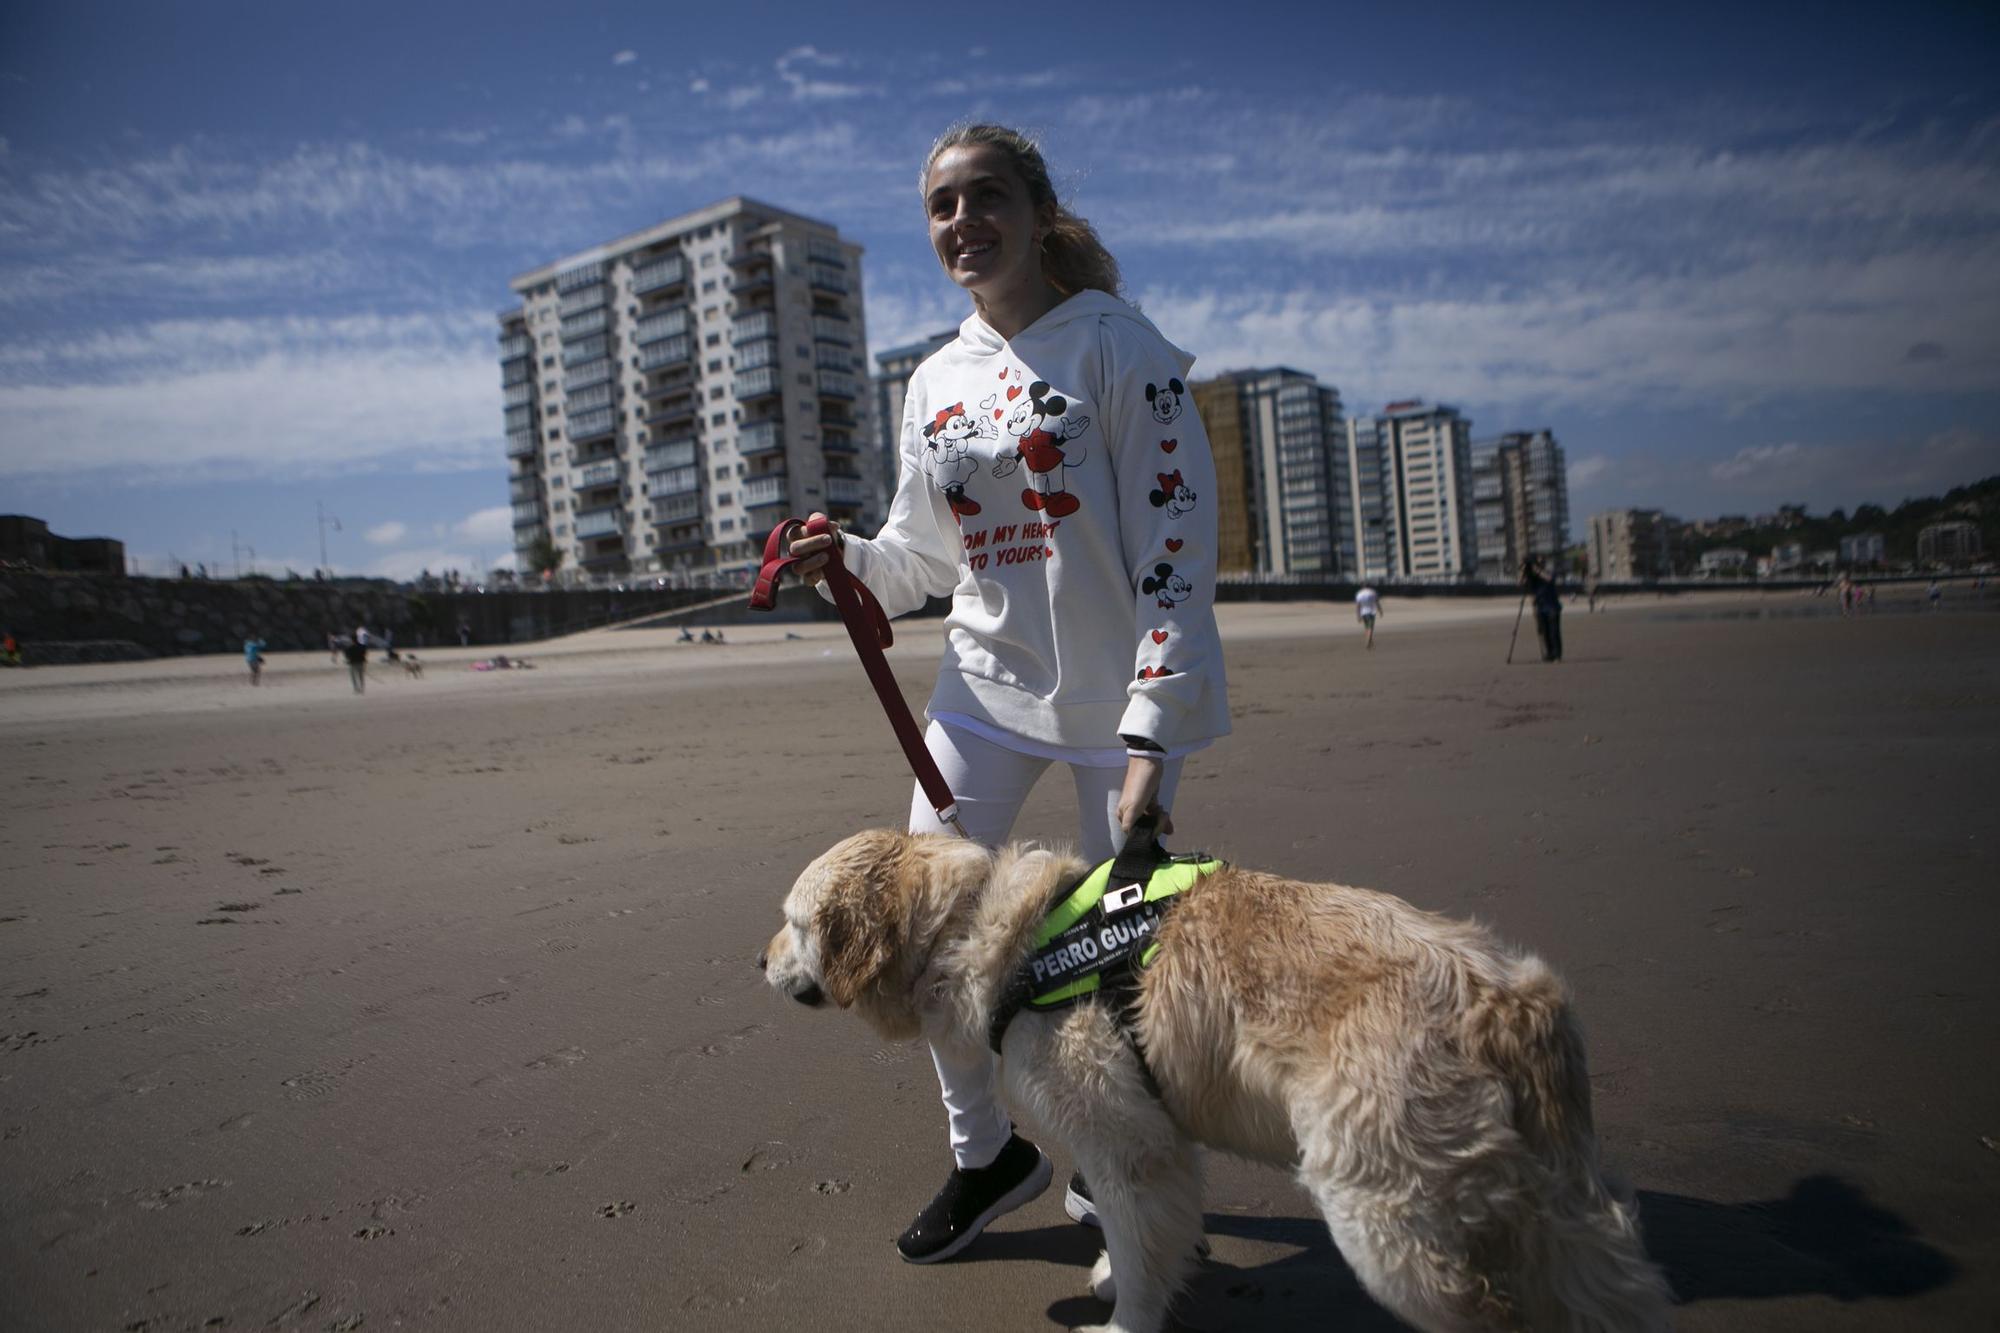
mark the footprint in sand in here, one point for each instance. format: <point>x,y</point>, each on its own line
<point>568,1055</point>
<point>173,1194</point>
<point>492,997</point>
<point>617,1208</point>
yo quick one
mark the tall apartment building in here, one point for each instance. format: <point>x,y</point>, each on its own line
<point>892,384</point>
<point>1220,403</point>
<point>1952,542</point>
<point>1630,546</point>
<point>1410,472</point>
<point>1520,502</point>
<point>1287,429</point>
<point>671,394</point>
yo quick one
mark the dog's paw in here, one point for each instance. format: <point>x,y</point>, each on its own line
<point>1101,1284</point>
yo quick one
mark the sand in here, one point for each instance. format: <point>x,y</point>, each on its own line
<point>434,1008</point>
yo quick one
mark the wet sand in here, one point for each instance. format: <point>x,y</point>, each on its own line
<point>434,1008</point>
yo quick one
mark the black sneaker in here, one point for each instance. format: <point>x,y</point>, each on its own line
<point>1078,1203</point>
<point>972,1198</point>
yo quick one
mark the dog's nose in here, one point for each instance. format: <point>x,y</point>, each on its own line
<point>763,957</point>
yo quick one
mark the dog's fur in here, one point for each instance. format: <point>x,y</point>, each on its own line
<point>1427,1085</point>
<point>412,666</point>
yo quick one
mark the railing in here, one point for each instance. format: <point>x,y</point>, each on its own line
<point>522,488</point>
<point>668,272</point>
<point>598,474</point>
<point>520,418</point>
<point>583,298</point>
<point>685,508</point>
<point>751,279</point>
<point>765,490</point>
<point>527,511</point>
<point>589,349</point>
<point>756,383</point>
<point>846,490</point>
<point>515,346</point>
<point>828,329</point>
<point>526,538</point>
<point>838,442</point>
<point>670,454</point>
<point>599,522</point>
<point>673,412</point>
<point>747,328</point>
<point>763,438</point>
<point>671,352</point>
<point>585,324</point>
<point>596,395</point>
<point>825,251</point>
<point>663,325</point>
<point>582,377</point>
<point>836,384</point>
<point>521,444</point>
<point>827,278</point>
<point>589,425</point>
<point>517,394</point>
<point>829,357</point>
<point>763,352</point>
<point>581,276</point>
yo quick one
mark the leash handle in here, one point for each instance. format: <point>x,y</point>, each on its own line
<point>1141,854</point>
<point>868,629</point>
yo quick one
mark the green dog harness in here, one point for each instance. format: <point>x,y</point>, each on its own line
<point>1096,937</point>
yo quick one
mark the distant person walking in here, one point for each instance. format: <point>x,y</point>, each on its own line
<point>1367,608</point>
<point>1936,595</point>
<point>355,650</point>
<point>10,651</point>
<point>464,634</point>
<point>253,657</point>
<point>1548,609</point>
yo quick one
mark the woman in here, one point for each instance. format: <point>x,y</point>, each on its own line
<point>1056,483</point>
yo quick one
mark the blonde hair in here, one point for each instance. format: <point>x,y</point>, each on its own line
<point>1073,258</point>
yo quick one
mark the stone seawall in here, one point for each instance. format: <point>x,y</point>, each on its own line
<point>169,617</point>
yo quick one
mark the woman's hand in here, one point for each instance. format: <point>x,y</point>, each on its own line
<point>1142,794</point>
<point>813,554</point>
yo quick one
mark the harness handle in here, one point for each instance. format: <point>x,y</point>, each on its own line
<point>1141,854</point>
<point>868,629</point>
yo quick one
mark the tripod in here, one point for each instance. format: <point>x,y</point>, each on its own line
<point>1517,628</point>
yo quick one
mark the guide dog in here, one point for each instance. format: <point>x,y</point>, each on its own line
<point>1427,1085</point>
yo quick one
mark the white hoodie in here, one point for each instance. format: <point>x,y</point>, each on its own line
<point>1059,488</point>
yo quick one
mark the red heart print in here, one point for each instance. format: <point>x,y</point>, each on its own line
<point>1049,551</point>
<point>999,412</point>
<point>1170,445</point>
<point>1013,392</point>
<point>1159,636</point>
<point>1175,543</point>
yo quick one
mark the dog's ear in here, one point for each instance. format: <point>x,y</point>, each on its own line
<point>860,920</point>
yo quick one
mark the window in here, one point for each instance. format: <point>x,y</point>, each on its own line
<point>714,366</point>
<point>713,340</point>
<point>719,419</point>
<point>562,529</point>
<point>559,505</point>
<point>548,386</point>
<point>725,497</point>
<point>548,338</point>
<point>707,285</point>
<point>726,525</point>
<point>547,362</point>
<point>708,260</point>
<point>555,435</point>
<point>722,473</point>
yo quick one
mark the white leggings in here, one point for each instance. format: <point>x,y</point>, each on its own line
<point>991,783</point>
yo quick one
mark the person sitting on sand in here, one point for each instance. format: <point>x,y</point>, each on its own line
<point>706,637</point>
<point>687,635</point>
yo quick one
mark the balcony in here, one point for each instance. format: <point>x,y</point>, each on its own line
<point>515,346</point>
<point>749,328</point>
<point>666,386</point>
<point>589,349</point>
<point>581,276</point>
<point>584,376</point>
<point>583,298</point>
<point>599,474</point>
<point>839,444</point>
<point>674,481</point>
<point>674,412</point>
<point>592,424</point>
<point>597,395</point>
<point>751,279</point>
<point>527,538</point>
<point>520,489</point>
<point>684,508</point>
<point>520,418</point>
<point>824,250</point>
<point>666,324</point>
<point>764,438</point>
<point>836,416</point>
<point>679,545</point>
<point>829,329</point>
<point>585,324</point>
<point>836,384</point>
<point>526,512</point>
<point>670,454</point>
<point>826,278</point>
<point>516,394</point>
<point>515,372</point>
<point>659,275</point>
<point>607,559</point>
<point>759,383</point>
<point>846,490</point>
<point>605,522</point>
<point>765,490</point>
<point>521,444</point>
<point>674,351</point>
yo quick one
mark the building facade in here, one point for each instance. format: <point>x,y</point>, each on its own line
<point>1288,430</point>
<point>892,385</point>
<point>28,541</point>
<point>1863,549</point>
<point>1629,546</point>
<point>1410,473</point>
<point>670,395</point>
<point>1955,542</point>
<point>1520,503</point>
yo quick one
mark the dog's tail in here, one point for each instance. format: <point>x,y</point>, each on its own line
<point>1577,1258</point>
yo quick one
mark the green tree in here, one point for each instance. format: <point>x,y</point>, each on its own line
<point>544,556</point>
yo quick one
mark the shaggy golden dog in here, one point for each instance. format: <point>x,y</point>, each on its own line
<point>1427,1085</point>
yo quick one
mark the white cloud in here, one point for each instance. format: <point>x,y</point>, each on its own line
<point>698,86</point>
<point>1584,471</point>
<point>490,526</point>
<point>624,57</point>
<point>794,68</point>
<point>386,534</point>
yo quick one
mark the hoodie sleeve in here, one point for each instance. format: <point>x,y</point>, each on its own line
<point>910,559</point>
<point>1165,477</point>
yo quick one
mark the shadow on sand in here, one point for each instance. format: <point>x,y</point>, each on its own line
<point>1823,1238</point>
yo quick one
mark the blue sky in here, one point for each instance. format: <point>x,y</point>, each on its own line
<point>250,253</point>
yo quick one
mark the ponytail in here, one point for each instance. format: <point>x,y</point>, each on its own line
<point>1073,258</point>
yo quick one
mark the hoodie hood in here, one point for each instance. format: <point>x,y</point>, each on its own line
<point>977,338</point>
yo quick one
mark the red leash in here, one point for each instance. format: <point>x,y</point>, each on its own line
<point>868,628</point>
